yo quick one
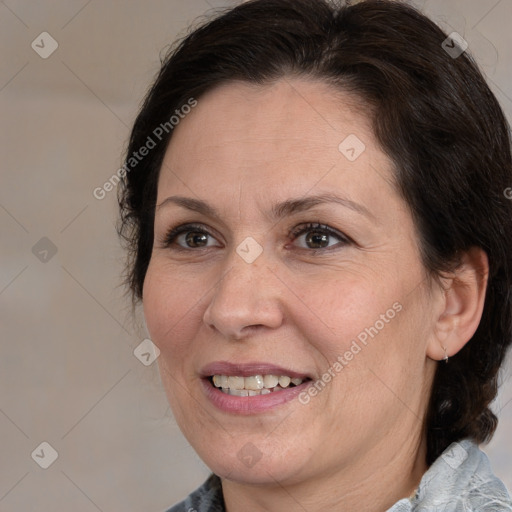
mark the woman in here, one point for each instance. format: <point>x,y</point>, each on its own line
<point>314,205</point>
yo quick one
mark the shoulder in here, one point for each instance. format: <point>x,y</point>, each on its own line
<point>461,480</point>
<point>207,498</point>
<point>485,491</point>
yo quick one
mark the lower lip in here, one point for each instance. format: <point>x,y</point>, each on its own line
<point>250,404</point>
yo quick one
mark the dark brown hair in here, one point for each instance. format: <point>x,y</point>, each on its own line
<point>433,115</point>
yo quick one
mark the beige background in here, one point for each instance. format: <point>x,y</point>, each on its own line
<point>67,370</point>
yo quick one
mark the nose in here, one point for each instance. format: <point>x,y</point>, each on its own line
<point>246,298</point>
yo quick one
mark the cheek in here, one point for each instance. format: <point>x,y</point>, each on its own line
<point>171,309</point>
<point>366,329</point>
<point>344,308</point>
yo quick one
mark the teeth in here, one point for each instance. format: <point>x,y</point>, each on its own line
<point>220,381</point>
<point>236,382</point>
<point>270,381</point>
<point>239,392</point>
<point>284,381</point>
<point>254,384</point>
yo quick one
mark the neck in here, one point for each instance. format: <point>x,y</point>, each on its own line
<point>386,480</point>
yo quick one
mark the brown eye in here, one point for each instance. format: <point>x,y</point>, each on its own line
<point>188,236</point>
<point>196,239</point>
<point>318,237</point>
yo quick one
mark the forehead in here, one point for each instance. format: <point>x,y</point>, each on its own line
<point>296,133</point>
<point>265,114</point>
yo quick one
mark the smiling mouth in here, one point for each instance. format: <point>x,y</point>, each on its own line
<point>254,385</point>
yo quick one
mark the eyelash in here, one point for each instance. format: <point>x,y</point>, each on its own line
<point>173,233</point>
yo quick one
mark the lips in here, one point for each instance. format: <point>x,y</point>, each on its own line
<point>251,387</point>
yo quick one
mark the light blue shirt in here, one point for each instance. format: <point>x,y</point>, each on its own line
<point>460,480</point>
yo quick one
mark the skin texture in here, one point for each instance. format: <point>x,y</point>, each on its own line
<point>358,444</point>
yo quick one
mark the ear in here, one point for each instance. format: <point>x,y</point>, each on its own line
<point>461,305</point>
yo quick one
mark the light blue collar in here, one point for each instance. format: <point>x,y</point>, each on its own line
<point>460,480</point>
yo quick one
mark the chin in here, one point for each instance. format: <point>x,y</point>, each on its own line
<point>256,462</point>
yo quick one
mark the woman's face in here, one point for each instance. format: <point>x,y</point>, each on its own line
<point>269,282</point>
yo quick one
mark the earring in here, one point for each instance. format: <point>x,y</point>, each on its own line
<point>445,358</point>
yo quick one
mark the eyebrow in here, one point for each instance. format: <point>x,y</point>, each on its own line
<point>278,211</point>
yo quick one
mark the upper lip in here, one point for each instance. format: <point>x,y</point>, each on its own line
<point>248,369</point>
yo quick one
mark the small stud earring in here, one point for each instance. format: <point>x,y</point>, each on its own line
<point>445,358</point>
